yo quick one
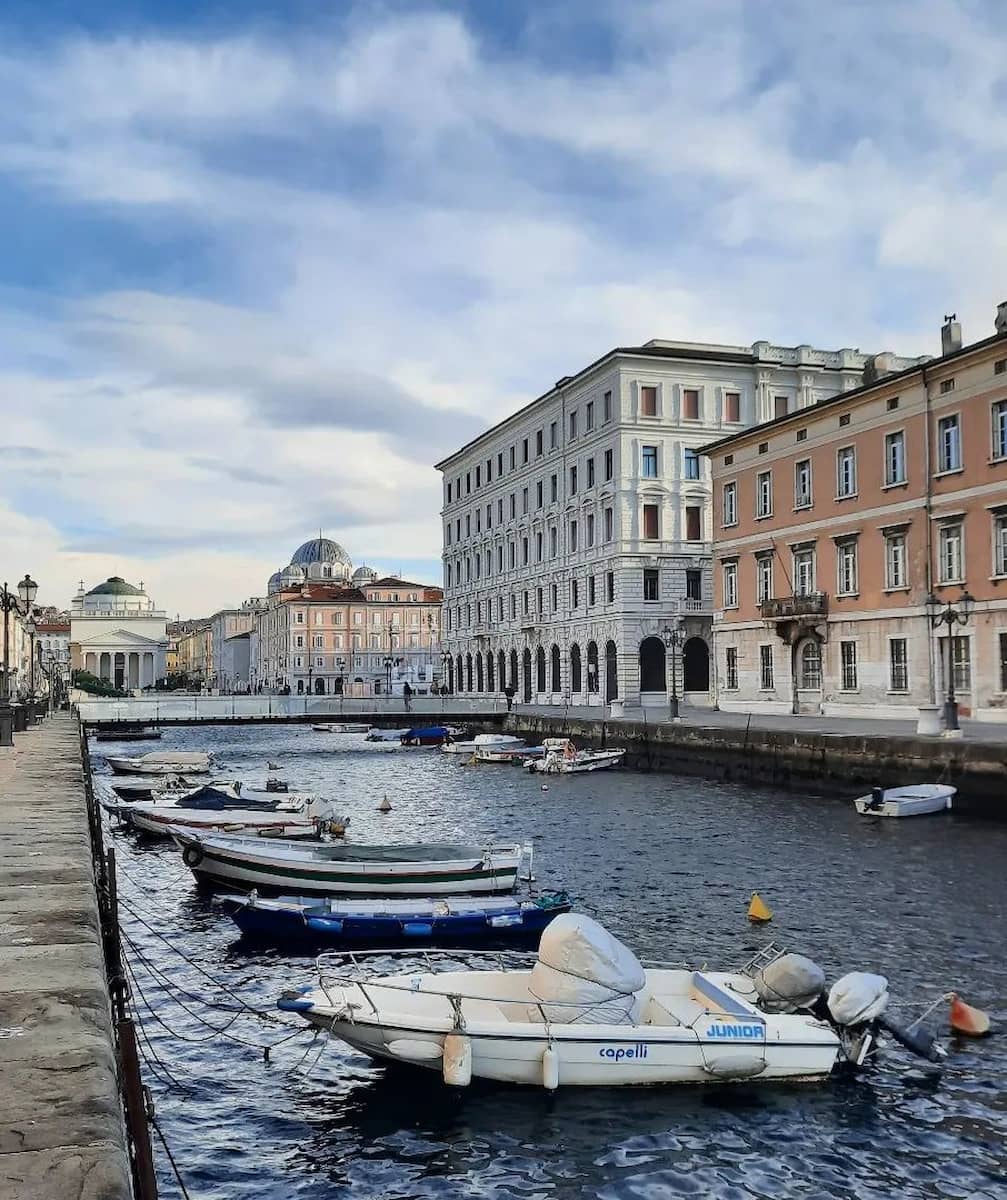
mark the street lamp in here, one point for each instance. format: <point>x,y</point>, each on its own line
<point>341,667</point>
<point>27,589</point>
<point>388,674</point>
<point>446,665</point>
<point>944,613</point>
<point>672,638</point>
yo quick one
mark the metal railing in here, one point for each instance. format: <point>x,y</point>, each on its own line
<point>810,604</point>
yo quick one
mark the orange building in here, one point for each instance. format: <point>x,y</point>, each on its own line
<point>843,533</point>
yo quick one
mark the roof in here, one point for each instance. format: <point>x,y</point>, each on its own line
<point>115,585</point>
<point>52,626</point>
<point>319,550</point>
<point>393,581</point>
<point>802,414</point>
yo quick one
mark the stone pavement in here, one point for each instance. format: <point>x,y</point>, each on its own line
<point>61,1130</point>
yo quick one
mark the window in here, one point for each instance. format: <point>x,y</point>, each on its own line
<point>538,494</point>
<point>589,415</point>
<point>844,419</point>
<point>690,404</point>
<point>609,523</point>
<point>499,464</point>
<point>766,668</point>
<point>801,435</point>
<point>947,385</point>
<point>650,583</point>
<point>731,669</point>
<point>650,522</point>
<point>730,581</point>
<point>524,552</point>
<point>999,412</point>
<point>779,406</point>
<point>949,553</point>
<point>693,523</point>
<point>732,407</point>
<point>590,529</point>
<point>730,504</point>
<point>648,401</point>
<point>538,444</point>
<point>590,591</point>
<point>553,488</point>
<point>846,472</point>
<point>538,547</point>
<point>609,586</point>
<point>691,464</point>
<point>606,406</point>
<point>479,476</point>
<point>898,665</point>
<point>299,641</point>
<point>764,577</point>
<point>763,447</point>
<point>573,424</point>
<point>846,568</point>
<point>524,451</point>
<point>892,404</point>
<point>573,535</point>
<point>764,494</point>
<point>802,483</point>
<point>468,482</point>
<point>524,501</point>
<point>554,597</point>
<point>811,665</point>
<point>299,618</point>
<point>590,472</point>
<point>895,458</point>
<point>728,460</point>
<point>804,572</point>
<point>648,462</point>
<point>608,465</point>
<point>1003,662</point>
<point>553,542</point>
<point>1000,544</point>
<point>961,663</point>
<point>693,583</point>
<point>553,432</point>
<point>513,505</point>
<point>574,594</point>
<point>1000,366</point>
<point>949,445</point>
<point>848,666</point>
<point>573,481</point>
<point>489,470</point>
<point>895,560</point>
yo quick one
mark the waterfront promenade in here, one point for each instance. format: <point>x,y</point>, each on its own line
<point>61,1130</point>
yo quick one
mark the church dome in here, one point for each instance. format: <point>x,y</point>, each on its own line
<point>274,583</point>
<point>364,574</point>
<point>320,550</point>
<point>115,586</point>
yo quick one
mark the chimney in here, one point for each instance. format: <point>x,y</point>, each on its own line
<point>1000,324</point>
<point>951,334</point>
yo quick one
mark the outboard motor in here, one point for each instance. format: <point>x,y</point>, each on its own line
<point>877,799</point>
<point>857,1004</point>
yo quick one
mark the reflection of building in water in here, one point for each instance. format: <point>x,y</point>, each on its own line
<point>117,634</point>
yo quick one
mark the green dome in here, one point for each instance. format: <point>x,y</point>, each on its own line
<point>116,586</point>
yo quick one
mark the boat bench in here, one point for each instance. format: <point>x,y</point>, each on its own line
<point>716,998</point>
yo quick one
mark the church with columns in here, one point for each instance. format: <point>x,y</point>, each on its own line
<point>117,634</point>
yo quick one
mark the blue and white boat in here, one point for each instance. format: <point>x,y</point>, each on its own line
<point>438,922</point>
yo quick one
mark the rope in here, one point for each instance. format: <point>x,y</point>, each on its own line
<point>171,1159</point>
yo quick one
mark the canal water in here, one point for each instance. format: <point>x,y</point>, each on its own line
<point>668,864</point>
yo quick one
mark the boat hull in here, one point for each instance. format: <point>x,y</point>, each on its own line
<point>158,823</point>
<point>134,766</point>
<point>908,801</point>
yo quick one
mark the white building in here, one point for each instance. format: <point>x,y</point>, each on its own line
<point>578,528</point>
<point>230,665</point>
<point>117,634</point>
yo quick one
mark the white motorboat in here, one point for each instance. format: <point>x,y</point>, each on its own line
<point>330,869</point>
<point>226,808</point>
<point>914,801</point>
<point>586,1012</point>
<point>163,762</point>
<point>484,741</point>
<point>386,735</point>
<point>514,755</point>
<point>562,757</point>
<point>341,727</point>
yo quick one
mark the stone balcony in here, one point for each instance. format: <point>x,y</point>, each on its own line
<point>790,608</point>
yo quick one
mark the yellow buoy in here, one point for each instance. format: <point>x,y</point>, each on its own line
<point>968,1020</point>
<point>759,910</point>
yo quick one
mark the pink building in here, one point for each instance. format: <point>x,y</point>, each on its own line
<point>841,531</point>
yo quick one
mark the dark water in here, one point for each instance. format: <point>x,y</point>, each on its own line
<point>668,865</point>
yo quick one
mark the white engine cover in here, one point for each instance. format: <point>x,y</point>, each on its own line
<point>857,997</point>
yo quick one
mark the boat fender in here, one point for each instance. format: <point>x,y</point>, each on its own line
<point>295,1001</point>
<point>550,1069</point>
<point>735,1066</point>
<point>417,928</point>
<point>324,924</point>
<point>192,856</point>
<point>457,1063</point>
<point>414,1050</point>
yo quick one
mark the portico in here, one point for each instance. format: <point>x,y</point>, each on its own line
<point>117,635</point>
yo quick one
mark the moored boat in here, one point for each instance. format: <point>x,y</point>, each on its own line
<point>162,762</point>
<point>330,869</point>
<point>515,756</point>
<point>130,734</point>
<point>144,788</point>
<point>430,735</point>
<point>442,922</point>
<point>386,735</point>
<point>561,757</point>
<point>225,808</point>
<point>917,800</point>
<point>340,727</point>
<point>482,741</point>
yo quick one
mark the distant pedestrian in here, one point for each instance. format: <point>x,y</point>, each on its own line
<point>407,695</point>
<point>509,693</point>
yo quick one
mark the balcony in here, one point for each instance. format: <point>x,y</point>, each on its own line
<point>793,608</point>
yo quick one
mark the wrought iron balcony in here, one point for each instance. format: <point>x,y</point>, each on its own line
<point>790,608</point>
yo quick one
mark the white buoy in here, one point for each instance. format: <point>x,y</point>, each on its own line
<point>550,1069</point>
<point>457,1061</point>
<point>385,805</point>
<point>545,787</point>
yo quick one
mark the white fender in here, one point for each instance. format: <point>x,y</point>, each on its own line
<point>457,1062</point>
<point>550,1069</point>
<point>413,1049</point>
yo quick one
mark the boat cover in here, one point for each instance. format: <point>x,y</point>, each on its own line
<point>586,974</point>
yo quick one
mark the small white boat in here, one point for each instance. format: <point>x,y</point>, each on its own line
<point>386,735</point>
<point>484,741</point>
<point>586,1012</point>
<point>514,755</point>
<point>163,762</point>
<point>227,809</point>
<point>914,801</point>
<point>562,757</point>
<point>341,727</point>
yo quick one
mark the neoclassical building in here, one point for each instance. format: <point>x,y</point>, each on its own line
<point>328,629</point>
<point>116,633</point>
<point>577,529</point>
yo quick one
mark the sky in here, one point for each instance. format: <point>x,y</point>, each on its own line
<point>266,262</point>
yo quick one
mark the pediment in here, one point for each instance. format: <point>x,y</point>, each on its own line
<point>123,637</point>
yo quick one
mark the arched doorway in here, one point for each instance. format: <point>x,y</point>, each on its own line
<point>611,673</point>
<point>592,666</point>
<point>653,677</point>
<point>513,670</point>
<point>479,672</point>
<point>557,671</point>
<point>119,671</point>
<point>319,687</point>
<point>502,670</point>
<point>696,665</point>
<point>468,672</point>
<point>459,675</point>
<point>526,676</point>
<point>810,666</point>
<point>489,673</point>
<point>576,682</point>
<point>540,670</point>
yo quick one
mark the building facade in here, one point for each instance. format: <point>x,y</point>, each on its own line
<point>327,629</point>
<point>834,527</point>
<point>576,530</point>
<point>229,666</point>
<point>52,642</point>
<point>117,634</point>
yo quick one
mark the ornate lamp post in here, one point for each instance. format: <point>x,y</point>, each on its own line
<point>388,673</point>
<point>946,614</point>
<point>445,671</point>
<point>27,589</point>
<point>341,668</point>
<point>672,638</point>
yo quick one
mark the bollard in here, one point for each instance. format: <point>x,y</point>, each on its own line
<point>20,718</point>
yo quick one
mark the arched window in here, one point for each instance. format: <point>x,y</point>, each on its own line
<point>557,673</point>
<point>611,672</point>
<point>592,666</point>
<point>460,674</point>
<point>501,670</point>
<point>513,670</point>
<point>479,672</point>
<point>468,672</point>
<point>526,675</point>
<point>811,665</point>
<point>489,672</point>
<point>575,672</point>
<point>540,669</point>
<point>652,669</point>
